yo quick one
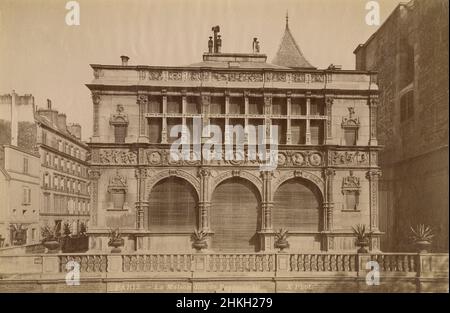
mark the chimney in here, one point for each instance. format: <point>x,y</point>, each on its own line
<point>49,104</point>
<point>14,119</point>
<point>210,45</point>
<point>61,123</point>
<point>219,43</point>
<point>124,59</point>
<point>75,130</point>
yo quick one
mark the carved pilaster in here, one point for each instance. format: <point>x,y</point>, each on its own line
<point>373,177</point>
<point>267,203</point>
<point>328,109</point>
<point>308,121</point>
<point>96,101</point>
<point>94,176</point>
<point>328,204</point>
<point>142,101</point>
<point>164,120</point>
<point>141,203</point>
<point>373,107</point>
<point>288,126</point>
<point>205,202</point>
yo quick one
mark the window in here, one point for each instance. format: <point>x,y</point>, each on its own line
<point>120,132</point>
<point>316,129</point>
<point>25,166</point>
<point>44,137</point>
<point>46,180</point>
<point>351,200</point>
<point>350,136</point>
<point>407,106</point>
<point>26,196</point>
<point>33,234</point>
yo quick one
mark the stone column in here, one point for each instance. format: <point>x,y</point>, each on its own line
<point>288,113</point>
<point>268,111</point>
<point>142,101</point>
<point>328,109</point>
<point>204,203</point>
<point>141,203</point>
<point>164,120</point>
<point>373,105</point>
<point>328,204</point>
<point>96,127</point>
<point>94,176</point>
<point>308,123</point>
<point>206,101</point>
<point>373,177</point>
<point>267,203</point>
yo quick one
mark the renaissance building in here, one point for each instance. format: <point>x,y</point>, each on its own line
<point>326,175</point>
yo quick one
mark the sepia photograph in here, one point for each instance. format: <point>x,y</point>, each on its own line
<point>224,146</point>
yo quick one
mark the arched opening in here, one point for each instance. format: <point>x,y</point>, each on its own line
<point>235,216</point>
<point>297,206</point>
<point>173,206</point>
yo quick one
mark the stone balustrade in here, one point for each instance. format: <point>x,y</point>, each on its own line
<point>279,271</point>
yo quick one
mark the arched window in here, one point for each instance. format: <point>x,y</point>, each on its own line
<point>172,206</point>
<point>235,216</point>
<point>297,206</point>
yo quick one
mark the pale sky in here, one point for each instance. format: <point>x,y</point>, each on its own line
<point>41,55</point>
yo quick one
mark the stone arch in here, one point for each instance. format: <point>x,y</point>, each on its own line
<point>172,205</point>
<point>298,205</point>
<point>236,215</point>
<point>160,175</point>
<point>307,176</point>
<point>256,181</point>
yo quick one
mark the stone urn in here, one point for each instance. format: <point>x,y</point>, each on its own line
<point>200,244</point>
<point>52,245</point>
<point>116,243</point>
<point>422,246</point>
<point>282,244</point>
<point>362,244</point>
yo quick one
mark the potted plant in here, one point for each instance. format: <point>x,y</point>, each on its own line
<point>115,240</point>
<point>362,237</point>
<point>281,239</point>
<point>421,236</point>
<point>50,238</point>
<point>83,229</point>
<point>199,239</point>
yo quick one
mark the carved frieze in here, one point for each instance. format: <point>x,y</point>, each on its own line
<point>117,157</point>
<point>155,75</point>
<point>349,158</point>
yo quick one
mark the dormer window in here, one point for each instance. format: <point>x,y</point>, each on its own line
<point>120,123</point>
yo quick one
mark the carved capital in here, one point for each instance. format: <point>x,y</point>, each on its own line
<point>373,102</point>
<point>140,173</point>
<point>95,97</point>
<point>204,172</point>
<point>329,100</point>
<point>329,173</point>
<point>142,99</point>
<point>373,174</point>
<point>94,174</point>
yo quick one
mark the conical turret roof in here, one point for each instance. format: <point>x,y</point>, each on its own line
<point>289,53</point>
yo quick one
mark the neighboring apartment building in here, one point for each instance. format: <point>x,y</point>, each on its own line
<point>19,194</point>
<point>62,170</point>
<point>410,53</point>
<point>327,172</point>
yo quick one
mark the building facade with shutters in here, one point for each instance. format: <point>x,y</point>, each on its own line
<point>326,174</point>
<point>64,170</point>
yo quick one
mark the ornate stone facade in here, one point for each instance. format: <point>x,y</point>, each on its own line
<point>168,197</point>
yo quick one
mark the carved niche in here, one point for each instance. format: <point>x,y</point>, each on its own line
<point>351,187</point>
<point>117,189</point>
<point>119,118</point>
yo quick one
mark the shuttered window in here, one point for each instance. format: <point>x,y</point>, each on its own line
<point>172,206</point>
<point>298,130</point>
<point>155,128</point>
<point>316,129</point>
<point>236,105</point>
<point>297,206</point>
<point>217,105</point>
<point>174,104</point>
<point>235,216</point>
<point>120,132</point>
<point>350,137</point>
